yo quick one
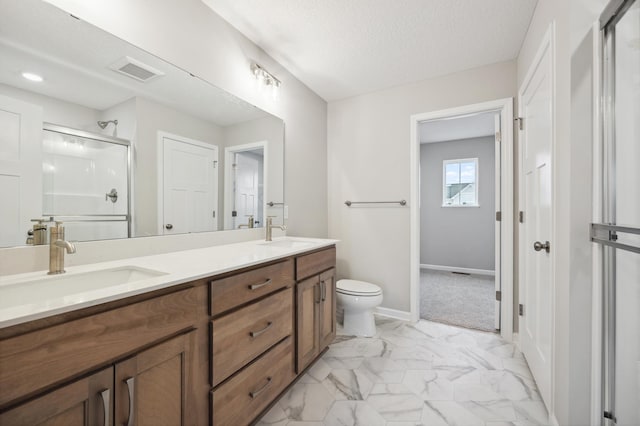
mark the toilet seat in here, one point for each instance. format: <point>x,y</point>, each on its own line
<point>357,288</point>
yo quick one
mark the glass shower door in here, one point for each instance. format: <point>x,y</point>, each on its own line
<point>621,369</point>
<point>86,183</point>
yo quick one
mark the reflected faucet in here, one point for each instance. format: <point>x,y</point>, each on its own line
<point>270,225</point>
<point>57,247</point>
<point>250,223</point>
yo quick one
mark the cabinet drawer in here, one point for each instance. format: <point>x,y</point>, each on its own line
<point>242,398</point>
<point>311,264</point>
<point>45,357</point>
<point>244,334</point>
<point>239,289</point>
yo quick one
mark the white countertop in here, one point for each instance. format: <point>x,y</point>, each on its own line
<point>177,268</point>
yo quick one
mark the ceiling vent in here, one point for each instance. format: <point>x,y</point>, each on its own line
<point>135,69</point>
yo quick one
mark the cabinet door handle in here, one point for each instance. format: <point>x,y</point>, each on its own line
<point>105,395</point>
<point>131,388</point>
<point>324,290</point>
<point>316,293</point>
<point>259,332</point>
<point>255,393</point>
<point>257,286</point>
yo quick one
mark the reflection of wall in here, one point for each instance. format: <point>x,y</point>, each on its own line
<point>151,118</point>
<point>268,129</point>
<point>461,237</point>
<point>56,111</point>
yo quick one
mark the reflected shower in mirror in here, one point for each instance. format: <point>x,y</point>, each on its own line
<point>117,142</point>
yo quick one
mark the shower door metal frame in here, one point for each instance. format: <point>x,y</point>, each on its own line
<point>106,139</point>
<point>606,233</point>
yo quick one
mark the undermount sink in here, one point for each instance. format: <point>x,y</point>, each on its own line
<point>49,287</point>
<point>287,243</point>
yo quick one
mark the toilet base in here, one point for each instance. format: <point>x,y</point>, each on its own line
<point>361,324</point>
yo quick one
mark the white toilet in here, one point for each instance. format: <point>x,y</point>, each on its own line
<point>357,300</point>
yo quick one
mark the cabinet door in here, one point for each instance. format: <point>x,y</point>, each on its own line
<point>153,387</point>
<point>88,401</point>
<point>308,316</point>
<point>327,308</point>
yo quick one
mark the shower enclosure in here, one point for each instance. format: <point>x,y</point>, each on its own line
<point>86,183</point>
<point>619,233</point>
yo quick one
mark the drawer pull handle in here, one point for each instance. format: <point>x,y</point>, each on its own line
<point>254,394</point>
<point>259,332</point>
<point>131,388</point>
<point>105,395</point>
<point>257,286</point>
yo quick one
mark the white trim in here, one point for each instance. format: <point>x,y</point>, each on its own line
<point>160,172</point>
<point>457,269</point>
<point>547,43</point>
<point>393,313</point>
<point>228,193</point>
<point>505,108</point>
<point>597,250</point>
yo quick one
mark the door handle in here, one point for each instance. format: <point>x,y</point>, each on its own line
<point>538,246</point>
<point>106,404</point>
<point>131,390</point>
<point>168,226</point>
<point>323,288</point>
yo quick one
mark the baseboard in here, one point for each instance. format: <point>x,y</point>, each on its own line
<point>393,313</point>
<point>456,269</point>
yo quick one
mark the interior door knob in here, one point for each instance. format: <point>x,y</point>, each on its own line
<point>538,246</point>
<point>168,226</point>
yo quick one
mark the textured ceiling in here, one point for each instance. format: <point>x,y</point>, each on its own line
<point>342,48</point>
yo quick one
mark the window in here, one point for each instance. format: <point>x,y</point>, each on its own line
<point>460,183</point>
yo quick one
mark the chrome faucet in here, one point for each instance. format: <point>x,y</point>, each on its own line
<point>270,226</point>
<point>57,247</point>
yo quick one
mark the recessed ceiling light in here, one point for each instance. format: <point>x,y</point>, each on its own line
<point>32,77</point>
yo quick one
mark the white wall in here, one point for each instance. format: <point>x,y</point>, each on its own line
<point>189,35</point>
<point>368,140</point>
<point>462,237</point>
<point>56,111</point>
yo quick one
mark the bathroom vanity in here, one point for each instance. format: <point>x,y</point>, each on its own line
<point>215,336</point>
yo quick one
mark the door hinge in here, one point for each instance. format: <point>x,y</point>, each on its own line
<point>521,309</point>
<point>521,217</point>
<point>520,122</point>
<point>498,137</point>
<point>609,415</point>
<point>498,295</point>
<point>215,164</point>
<point>498,216</point>
<point>214,213</point>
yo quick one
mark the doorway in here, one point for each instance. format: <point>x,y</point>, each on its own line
<point>188,196</point>
<point>502,211</point>
<point>458,228</point>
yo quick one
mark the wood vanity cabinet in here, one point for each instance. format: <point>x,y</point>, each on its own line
<point>213,351</point>
<point>316,305</point>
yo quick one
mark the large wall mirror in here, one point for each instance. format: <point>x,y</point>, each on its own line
<point>118,143</point>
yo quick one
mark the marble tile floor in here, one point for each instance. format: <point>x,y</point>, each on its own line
<point>427,374</point>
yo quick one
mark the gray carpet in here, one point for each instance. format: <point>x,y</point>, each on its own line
<point>464,300</point>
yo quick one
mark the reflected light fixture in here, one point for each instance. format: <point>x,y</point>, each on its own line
<point>32,77</point>
<point>265,78</point>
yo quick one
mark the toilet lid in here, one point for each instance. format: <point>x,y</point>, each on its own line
<point>357,288</point>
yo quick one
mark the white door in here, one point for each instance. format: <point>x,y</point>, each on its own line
<point>498,240</point>
<point>190,187</point>
<point>247,172</point>
<point>536,284</point>
<point>20,169</point>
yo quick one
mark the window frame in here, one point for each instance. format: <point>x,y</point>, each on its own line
<point>477,180</point>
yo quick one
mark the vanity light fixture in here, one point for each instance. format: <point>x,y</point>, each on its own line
<point>32,77</point>
<point>265,77</point>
